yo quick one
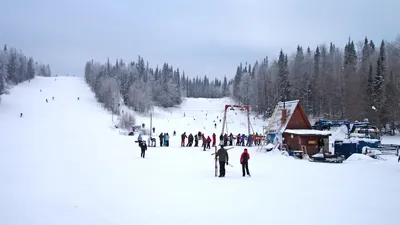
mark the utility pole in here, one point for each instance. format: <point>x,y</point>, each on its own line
<point>151,124</point>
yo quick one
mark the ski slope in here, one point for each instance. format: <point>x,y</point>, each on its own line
<point>200,114</point>
<point>63,164</point>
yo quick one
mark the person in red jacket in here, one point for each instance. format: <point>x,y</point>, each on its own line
<point>244,160</point>
<point>214,139</point>
<point>208,142</point>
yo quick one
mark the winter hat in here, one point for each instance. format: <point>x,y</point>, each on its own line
<point>245,149</point>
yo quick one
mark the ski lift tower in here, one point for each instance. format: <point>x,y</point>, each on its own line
<point>241,108</point>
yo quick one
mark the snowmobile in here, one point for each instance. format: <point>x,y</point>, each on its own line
<point>327,158</point>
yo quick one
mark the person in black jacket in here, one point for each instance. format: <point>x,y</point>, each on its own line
<point>143,148</point>
<point>223,159</point>
<point>244,160</point>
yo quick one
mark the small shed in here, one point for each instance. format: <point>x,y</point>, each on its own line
<point>306,140</point>
<point>290,127</point>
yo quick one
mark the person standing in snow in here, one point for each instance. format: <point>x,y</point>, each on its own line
<point>196,140</point>
<point>230,139</point>
<point>244,160</point>
<point>223,159</point>
<point>183,137</point>
<point>208,142</point>
<point>214,139</point>
<point>166,140</point>
<point>139,139</point>
<point>143,148</point>
<point>161,136</point>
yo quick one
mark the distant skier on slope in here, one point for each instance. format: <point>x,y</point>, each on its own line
<point>244,160</point>
<point>223,159</point>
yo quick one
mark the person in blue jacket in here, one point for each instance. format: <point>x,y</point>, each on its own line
<point>139,139</point>
<point>249,140</point>
<point>243,137</point>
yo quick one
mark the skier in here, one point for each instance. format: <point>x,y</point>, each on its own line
<point>196,140</point>
<point>223,159</point>
<point>238,140</point>
<point>203,141</point>
<point>230,139</point>
<point>154,129</point>
<point>243,139</point>
<point>244,160</point>
<point>208,142</point>
<point>78,98</point>
<point>174,133</point>
<point>143,148</point>
<point>215,125</point>
<point>166,140</point>
<point>20,115</point>
<point>214,139</point>
<point>225,140</point>
<point>161,136</point>
<point>139,139</point>
<point>183,137</point>
<point>190,140</point>
<point>47,101</point>
<point>53,98</point>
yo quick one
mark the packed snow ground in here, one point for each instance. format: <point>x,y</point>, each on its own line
<point>62,164</point>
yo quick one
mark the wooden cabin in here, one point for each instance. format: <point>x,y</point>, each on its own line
<point>292,129</point>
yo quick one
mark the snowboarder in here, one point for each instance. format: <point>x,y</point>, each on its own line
<point>143,148</point>
<point>244,160</point>
<point>223,159</point>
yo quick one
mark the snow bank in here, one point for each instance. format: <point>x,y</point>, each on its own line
<point>270,146</point>
<point>360,157</point>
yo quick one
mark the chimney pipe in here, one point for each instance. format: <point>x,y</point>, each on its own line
<point>284,116</point>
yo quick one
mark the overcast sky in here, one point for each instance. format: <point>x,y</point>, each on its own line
<point>200,36</point>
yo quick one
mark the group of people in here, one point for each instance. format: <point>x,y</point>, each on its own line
<point>193,140</point>
<point>223,158</point>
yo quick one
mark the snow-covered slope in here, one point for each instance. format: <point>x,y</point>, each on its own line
<point>200,114</point>
<point>61,163</point>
